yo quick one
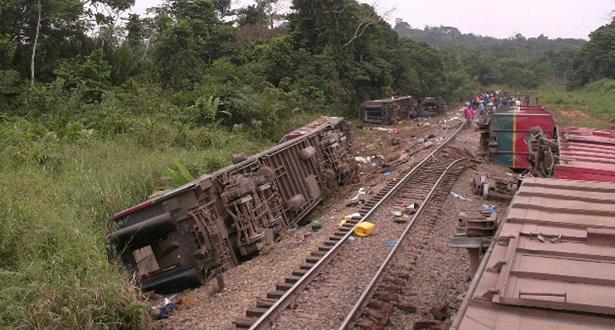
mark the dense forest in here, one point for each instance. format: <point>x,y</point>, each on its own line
<point>95,104</point>
<point>519,61</point>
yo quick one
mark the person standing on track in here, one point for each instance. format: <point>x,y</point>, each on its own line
<point>469,114</point>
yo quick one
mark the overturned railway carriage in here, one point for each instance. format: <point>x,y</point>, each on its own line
<point>432,106</point>
<point>551,263</point>
<point>187,235</point>
<point>389,111</point>
<point>506,132</point>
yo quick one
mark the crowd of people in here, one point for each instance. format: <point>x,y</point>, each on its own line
<point>486,102</point>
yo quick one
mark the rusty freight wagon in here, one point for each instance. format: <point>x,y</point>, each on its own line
<point>388,111</point>
<point>551,263</point>
<point>187,235</point>
<point>505,136</point>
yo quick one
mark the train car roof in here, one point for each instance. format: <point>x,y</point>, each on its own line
<point>586,153</point>
<point>552,262</point>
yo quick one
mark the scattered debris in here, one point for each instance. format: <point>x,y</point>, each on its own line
<point>459,196</point>
<point>167,308</point>
<point>364,229</point>
<point>412,208</point>
<point>167,311</point>
<point>488,208</point>
<point>316,225</point>
<point>503,188</point>
<point>358,198</point>
<point>369,160</point>
<point>474,231</point>
<point>475,224</point>
<point>403,219</point>
<point>304,237</point>
<point>392,243</point>
<point>384,129</point>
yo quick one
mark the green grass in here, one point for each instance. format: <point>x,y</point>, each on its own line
<point>55,199</point>
<point>590,106</point>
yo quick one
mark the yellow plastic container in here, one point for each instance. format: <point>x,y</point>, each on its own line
<point>364,229</point>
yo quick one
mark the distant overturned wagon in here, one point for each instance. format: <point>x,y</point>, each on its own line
<point>432,106</point>
<point>189,234</point>
<point>388,111</point>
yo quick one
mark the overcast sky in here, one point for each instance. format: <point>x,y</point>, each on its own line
<point>497,18</point>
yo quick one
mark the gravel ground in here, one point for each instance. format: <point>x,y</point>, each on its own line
<point>327,300</point>
<point>206,308</point>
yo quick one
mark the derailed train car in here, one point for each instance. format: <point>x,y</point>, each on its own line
<point>389,111</point>
<point>506,132</point>
<point>187,235</point>
<point>432,106</point>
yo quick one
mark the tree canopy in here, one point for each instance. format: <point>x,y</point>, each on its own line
<point>596,60</point>
<point>516,61</point>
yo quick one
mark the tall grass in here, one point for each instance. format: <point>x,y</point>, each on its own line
<point>55,199</point>
<point>592,105</point>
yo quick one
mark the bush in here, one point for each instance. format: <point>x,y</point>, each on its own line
<point>57,192</point>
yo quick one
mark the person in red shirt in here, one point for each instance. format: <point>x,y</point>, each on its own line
<point>469,116</point>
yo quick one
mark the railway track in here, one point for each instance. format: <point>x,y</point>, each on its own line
<point>383,293</point>
<point>335,262</point>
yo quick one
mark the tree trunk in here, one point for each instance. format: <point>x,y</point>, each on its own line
<point>38,29</point>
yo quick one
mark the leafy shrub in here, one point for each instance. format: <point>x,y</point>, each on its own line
<point>179,176</point>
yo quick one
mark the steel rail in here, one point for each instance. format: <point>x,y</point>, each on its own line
<point>265,320</point>
<point>369,290</point>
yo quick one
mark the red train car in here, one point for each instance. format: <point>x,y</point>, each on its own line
<point>586,154</point>
<point>507,131</point>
